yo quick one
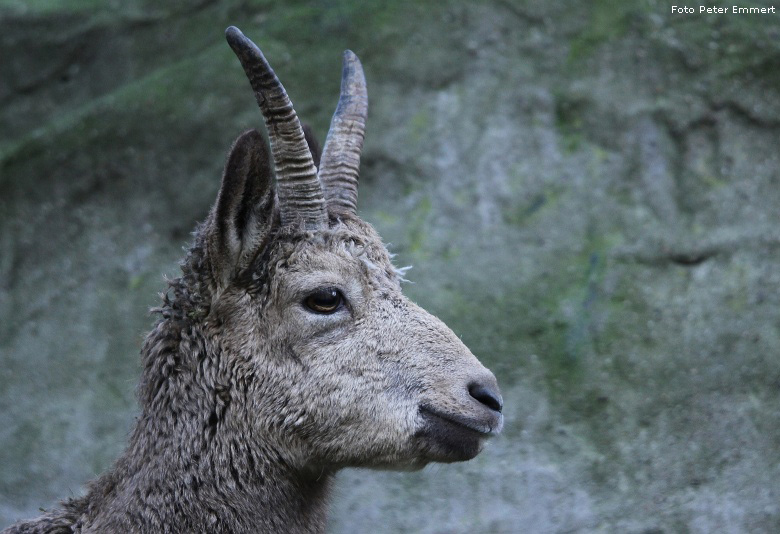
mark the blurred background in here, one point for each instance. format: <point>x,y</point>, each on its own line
<point>589,194</point>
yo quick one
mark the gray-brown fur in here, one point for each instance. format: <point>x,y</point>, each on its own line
<point>251,400</point>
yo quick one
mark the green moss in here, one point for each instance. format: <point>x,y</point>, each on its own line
<point>571,336</point>
<point>42,7</point>
<point>416,224</point>
<point>524,213</point>
<point>606,20</point>
<point>419,125</point>
<point>135,282</point>
<point>73,127</point>
<point>569,120</point>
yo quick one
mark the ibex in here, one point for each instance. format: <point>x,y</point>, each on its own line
<point>285,351</point>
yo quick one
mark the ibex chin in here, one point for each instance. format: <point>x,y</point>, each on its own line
<point>285,351</point>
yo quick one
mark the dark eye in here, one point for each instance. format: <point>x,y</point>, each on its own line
<point>324,300</point>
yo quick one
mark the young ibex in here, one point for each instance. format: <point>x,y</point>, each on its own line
<point>285,351</point>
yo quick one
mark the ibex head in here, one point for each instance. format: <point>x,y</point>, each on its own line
<point>315,352</point>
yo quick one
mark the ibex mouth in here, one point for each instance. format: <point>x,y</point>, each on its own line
<point>487,429</point>
<point>453,437</point>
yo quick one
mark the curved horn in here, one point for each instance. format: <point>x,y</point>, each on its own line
<point>341,155</point>
<point>299,190</point>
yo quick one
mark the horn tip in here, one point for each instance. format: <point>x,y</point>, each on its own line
<point>352,77</point>
<point>350,56</point>
<point>242,46</point>
<point>233,33</point>
<point>237,40</point>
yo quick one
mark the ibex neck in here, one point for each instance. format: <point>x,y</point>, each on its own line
<point>159,487</point>
<point>194,462</point>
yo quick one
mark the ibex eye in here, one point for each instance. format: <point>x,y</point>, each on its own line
<point>324,300</point>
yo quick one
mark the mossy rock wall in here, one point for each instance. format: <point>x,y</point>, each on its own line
<point>588,194</point>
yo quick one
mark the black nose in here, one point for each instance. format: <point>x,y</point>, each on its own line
<point>487,395</point>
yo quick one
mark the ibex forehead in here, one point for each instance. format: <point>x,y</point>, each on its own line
<point>349,242</point>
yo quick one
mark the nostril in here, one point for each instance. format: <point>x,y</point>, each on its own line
<point>487,396</point>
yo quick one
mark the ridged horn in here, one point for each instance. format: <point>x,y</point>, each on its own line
<point>340,163</point>
<point>297,184</point>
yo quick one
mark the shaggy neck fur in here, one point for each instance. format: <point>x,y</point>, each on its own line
<point>193,463</point>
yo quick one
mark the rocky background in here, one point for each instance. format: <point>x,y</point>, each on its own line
<point>589,194</point>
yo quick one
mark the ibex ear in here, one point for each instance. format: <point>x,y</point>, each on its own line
<point>314,146</point>
<point>242,217</point>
